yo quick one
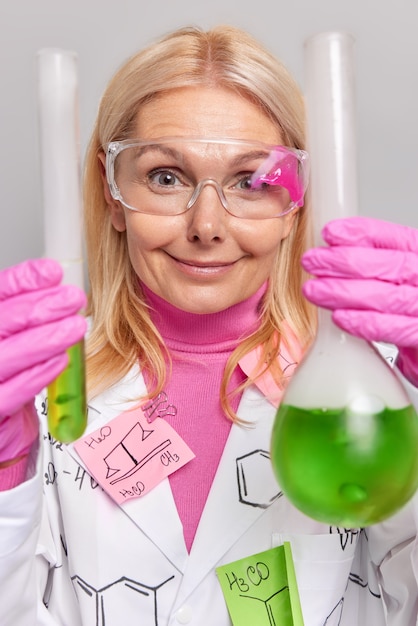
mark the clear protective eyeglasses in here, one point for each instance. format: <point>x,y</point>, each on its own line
<point>163,176</point>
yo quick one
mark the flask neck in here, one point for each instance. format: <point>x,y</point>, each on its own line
<point>327,331</point>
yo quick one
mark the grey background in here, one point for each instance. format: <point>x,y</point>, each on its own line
<point>104,33</point>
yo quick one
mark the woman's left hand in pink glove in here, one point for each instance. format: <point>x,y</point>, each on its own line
<point>368,277</point>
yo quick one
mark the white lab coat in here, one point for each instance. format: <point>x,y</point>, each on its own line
<point>101,564</point>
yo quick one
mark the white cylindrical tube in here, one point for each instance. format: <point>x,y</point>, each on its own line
<point>60,159</point>
<point>331,126</point>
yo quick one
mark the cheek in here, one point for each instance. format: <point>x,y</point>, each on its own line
<point>263,238</point>
<point>146,232</point>
<point>145,235</point>
<point>138,241</point>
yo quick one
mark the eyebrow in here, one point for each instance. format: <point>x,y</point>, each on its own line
<point>166,150</point>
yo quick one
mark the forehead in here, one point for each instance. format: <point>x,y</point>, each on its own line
<point>205,112</point>
<point>198,153</point>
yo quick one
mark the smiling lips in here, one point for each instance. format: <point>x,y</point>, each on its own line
<point>211,268</point>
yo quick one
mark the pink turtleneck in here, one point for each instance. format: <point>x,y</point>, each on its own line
<point>200,346</point>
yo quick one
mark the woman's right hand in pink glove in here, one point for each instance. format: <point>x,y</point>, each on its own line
<point>38,322</point>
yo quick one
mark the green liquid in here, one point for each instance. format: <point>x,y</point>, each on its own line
<point>67,412</point>
<point>344,468</point>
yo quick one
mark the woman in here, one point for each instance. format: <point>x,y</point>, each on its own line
<point>197,320</point>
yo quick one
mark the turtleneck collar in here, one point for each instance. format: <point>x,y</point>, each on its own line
<point>222,330</point>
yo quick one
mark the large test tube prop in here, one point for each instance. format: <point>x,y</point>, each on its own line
<point>345,439</point>
<point>60,169</point>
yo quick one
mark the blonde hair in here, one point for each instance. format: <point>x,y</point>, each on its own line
<point>122,331</point>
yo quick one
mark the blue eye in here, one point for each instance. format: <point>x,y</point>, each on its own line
<point>163,178</point>
<point>244,183</point>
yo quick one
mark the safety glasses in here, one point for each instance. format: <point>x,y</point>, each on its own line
<point>166,176</point>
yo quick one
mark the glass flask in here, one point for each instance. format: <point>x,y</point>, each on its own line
<point>344,445</point>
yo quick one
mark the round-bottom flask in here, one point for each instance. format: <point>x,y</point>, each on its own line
<point>345,439</point>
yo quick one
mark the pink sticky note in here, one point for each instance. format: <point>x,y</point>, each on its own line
<point>128,456</point>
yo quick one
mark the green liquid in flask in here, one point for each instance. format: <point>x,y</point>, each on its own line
<point>346,468</point>
<point>67,412</point>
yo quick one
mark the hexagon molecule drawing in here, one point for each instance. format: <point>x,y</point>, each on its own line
<point>124,596</point>
<point>252,490</point>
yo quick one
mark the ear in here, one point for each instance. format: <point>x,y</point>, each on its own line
<point>288,221</point>
<point>117,213</point>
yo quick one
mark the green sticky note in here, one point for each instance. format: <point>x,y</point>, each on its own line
<point>261,589</point>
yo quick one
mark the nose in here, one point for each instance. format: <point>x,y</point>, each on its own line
<point>207,219</point>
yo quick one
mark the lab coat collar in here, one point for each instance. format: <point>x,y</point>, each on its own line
<point>290,355</point>
<point>155,513</point>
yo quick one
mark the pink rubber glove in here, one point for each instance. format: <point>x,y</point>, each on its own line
<point>368,276</point>
<point>38,322</point>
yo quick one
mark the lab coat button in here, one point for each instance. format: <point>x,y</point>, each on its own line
<point>184,614</point>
